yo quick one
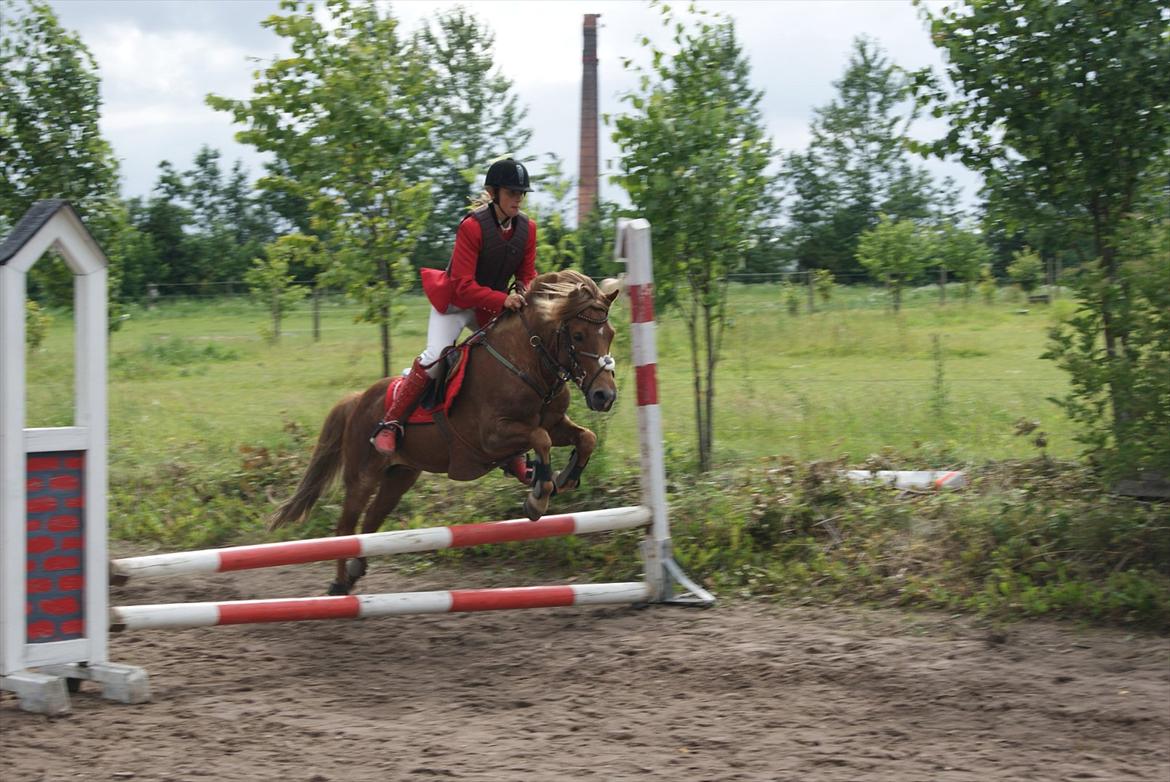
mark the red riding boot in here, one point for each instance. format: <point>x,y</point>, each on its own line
<point>410,390</point>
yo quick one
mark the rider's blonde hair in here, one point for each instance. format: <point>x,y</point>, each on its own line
<point>480,201</point>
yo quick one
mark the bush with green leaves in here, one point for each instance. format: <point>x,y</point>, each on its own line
<point>271,281</point>
<point>1026,269</point>
<point>36,324</point>
<point>823,282</point>
<point>1122,401</point>
<point>894,253</point>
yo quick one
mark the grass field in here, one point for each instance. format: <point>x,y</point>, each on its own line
<point>208,420</point>
<point>196,380</point>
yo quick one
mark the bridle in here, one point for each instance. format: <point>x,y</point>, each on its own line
<point>563,374</point>
<point>604,363</point>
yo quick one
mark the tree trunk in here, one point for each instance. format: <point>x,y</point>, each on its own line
<point>693,333</point>
<point>384,328</point>
<point>1114,330</point>
<point>707,458</point>
<point>316,314</point>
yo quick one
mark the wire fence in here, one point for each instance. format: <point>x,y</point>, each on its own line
<point>794,291</point>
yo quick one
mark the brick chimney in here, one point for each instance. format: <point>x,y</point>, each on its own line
<point>587,180</point>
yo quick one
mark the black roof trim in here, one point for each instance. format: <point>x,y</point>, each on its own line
<point>34,219</point>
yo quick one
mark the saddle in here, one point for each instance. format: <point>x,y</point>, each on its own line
<point>440,393</point>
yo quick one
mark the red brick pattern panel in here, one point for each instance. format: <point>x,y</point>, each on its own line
<point>56,546</point>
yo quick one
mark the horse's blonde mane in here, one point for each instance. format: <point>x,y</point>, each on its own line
<point>559,295</point>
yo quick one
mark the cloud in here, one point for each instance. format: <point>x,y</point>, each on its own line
<point>159,59</point>
<point>143,67</point>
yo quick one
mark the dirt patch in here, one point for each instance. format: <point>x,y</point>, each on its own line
<point>738,692</point>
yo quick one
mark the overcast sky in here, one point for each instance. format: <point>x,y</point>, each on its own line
<point>159,58</point>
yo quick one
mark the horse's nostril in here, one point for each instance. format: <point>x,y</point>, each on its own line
<point>603,398</point>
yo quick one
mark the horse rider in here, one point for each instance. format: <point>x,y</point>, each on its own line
<point>494,245</point>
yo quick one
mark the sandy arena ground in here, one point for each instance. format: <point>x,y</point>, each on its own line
<point>738,692</point>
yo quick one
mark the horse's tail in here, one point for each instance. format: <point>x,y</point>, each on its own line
<point>323,466</point>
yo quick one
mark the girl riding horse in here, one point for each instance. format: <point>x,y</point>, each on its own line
<point>495,243</point>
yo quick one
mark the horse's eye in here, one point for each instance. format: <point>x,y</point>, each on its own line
<point>578,337</point>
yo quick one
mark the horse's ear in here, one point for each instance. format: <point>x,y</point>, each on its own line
<point>610,287</point>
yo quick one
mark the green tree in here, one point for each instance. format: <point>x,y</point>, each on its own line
<point>476,117</point>
<point>166,220</point>
<point>893,253</point>
<point>249,222</point>
<point>50,140</point>
<point>823,282</point>
<point>1065,106</point>
<point>596,237</point>
<point>856,166</point>
<point>229,226</point>
<point>960,252</point>
<point>270,281</point>
<point>694,160</point>
<point>350,115</point>
<point>36,325</point>
<point>1026,269</point>
<point>560,246</point>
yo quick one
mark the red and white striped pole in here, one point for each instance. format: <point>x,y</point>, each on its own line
<point>296,552</point>
<point>175,615</point>
<point>633,240</point>
<point>662,572</point>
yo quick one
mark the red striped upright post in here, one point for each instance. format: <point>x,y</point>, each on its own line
<point>662,572</point>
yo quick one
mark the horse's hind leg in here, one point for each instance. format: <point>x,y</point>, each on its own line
<point>396,483</point>
<point>356,498</point>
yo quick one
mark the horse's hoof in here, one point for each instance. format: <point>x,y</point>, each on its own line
<point>530,510</point>
<point>355,569</point>
<point>338,588</point>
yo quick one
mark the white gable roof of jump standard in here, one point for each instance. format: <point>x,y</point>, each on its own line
<point>52,224</point>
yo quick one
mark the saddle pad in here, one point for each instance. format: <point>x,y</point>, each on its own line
<point>423,415</point>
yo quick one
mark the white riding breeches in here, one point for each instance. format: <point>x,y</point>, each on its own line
<point>442,330</point>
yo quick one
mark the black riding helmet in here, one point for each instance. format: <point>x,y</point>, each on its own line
<point>508,173</point>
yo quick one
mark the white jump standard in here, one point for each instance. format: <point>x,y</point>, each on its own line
<point>53,582</point>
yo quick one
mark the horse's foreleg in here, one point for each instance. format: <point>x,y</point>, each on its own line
<point>584,442</point>
<point>397,482</point>
<point>536,503</point>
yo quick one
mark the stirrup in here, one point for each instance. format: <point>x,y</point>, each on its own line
<point>395,428</point>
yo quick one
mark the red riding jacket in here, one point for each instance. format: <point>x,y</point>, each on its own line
<point>483,264</point>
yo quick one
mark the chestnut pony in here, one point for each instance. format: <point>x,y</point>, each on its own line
<point>513,399</point>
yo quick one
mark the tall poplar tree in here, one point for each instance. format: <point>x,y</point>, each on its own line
<point>50,142</point>
<point>476,118</point>
<point>694,160</point>
<point>1065,109</point>
<point>856,167</point>
<point>349,116</point>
